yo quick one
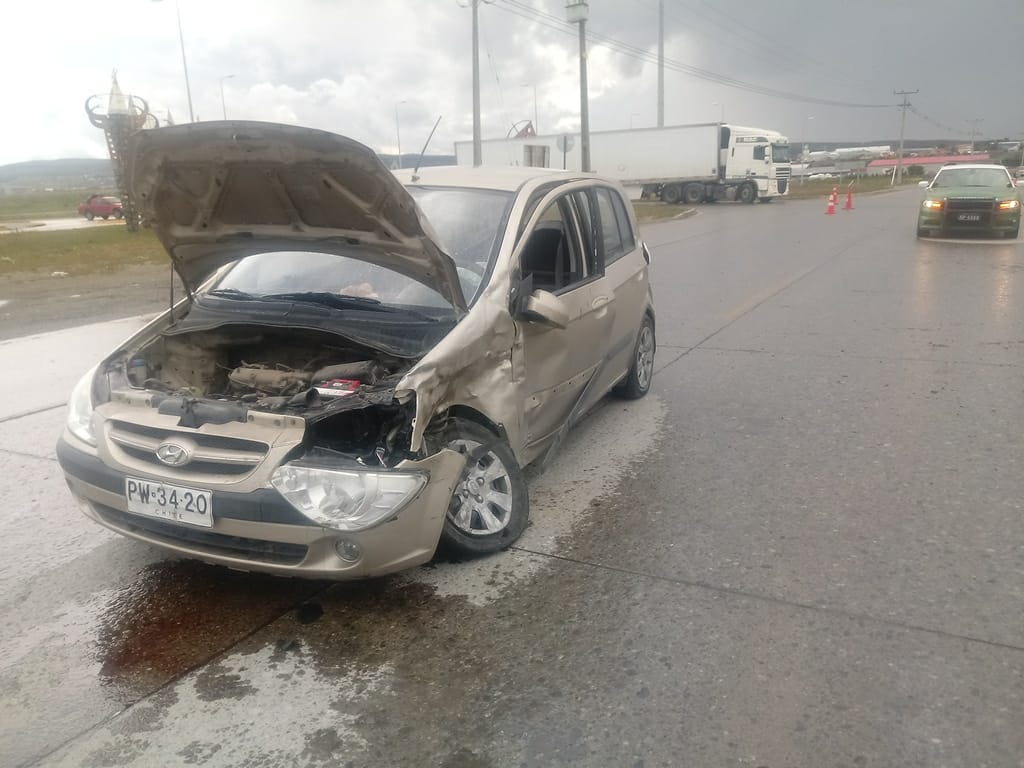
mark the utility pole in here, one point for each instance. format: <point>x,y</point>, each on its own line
<point>661,63</point>
<point>576,13</point>
<point>903,124</point>
<point>477,148</point>
<point>974,131</point>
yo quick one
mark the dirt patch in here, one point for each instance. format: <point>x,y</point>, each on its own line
<point>35,302</point>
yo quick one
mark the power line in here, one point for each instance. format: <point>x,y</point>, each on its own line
<point>552,22</point>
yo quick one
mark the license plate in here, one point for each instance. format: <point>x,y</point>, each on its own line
<point>968,217</point>
<point>169,502</point>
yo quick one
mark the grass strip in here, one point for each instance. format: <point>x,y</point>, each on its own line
<point>78,251</point>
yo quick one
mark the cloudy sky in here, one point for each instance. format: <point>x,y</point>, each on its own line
<point>809,68</point>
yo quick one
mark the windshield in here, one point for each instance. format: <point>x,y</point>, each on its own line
<point>780,153</point>
<point>972,177</point>
<point>468,224</point>
<point>321,275</point>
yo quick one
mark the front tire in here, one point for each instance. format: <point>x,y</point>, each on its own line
<point>89,215</point>
<point>638,381</point>
<point>747,193</point>
<point>118,214</point>
<point>490,506</point>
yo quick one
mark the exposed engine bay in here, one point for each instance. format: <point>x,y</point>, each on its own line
<point>344,391</point>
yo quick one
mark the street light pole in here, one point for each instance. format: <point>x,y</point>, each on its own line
<point>576,12</point>
<point>223,105</point>
<point>803,147</point>
<point>398,134</point>
<point>184,63</point>
<point>536,124</point>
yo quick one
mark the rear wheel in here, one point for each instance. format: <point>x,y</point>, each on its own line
<point>671,193</point>
<point>118,214</point>
<point>490,506</point>
<point>693,193</point>
<point>747,193</point>
<point>638,381</point>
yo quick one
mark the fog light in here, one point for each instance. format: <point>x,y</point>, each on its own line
<point>347,550</point>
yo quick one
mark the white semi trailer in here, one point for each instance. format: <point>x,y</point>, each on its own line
<point>678,163</point>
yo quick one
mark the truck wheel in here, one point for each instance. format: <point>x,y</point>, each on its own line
<point>747,193</point>
<point>693,193</point>
<point>671,193</point>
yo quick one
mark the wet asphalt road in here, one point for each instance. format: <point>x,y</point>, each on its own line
<point>805,548</point>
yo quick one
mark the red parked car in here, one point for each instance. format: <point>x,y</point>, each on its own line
<point>103,206</point>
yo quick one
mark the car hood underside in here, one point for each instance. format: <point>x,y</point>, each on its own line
<point>216,192</point>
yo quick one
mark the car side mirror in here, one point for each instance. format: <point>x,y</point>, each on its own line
<point>544,308</point>
<point>922,184</point>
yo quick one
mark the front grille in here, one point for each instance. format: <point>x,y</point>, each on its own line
<point>783,173</point>
<point>960,204</point>
<point>783,184</point>
<point>201,540</point>
<point>210,454</point>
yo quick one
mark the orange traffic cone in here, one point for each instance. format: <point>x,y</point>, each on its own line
<point>831,203</point>
<point>849,199</point>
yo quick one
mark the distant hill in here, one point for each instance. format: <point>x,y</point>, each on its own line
<point>70,173</point>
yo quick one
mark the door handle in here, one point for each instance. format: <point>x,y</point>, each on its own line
<point>600,301</point>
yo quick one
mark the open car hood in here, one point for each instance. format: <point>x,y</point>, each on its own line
<point>215,192</point>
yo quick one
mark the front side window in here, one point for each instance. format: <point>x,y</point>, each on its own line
<point>551,253</point>
<point>759,152</point>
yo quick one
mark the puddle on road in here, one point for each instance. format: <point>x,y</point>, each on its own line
<point>178,614</point>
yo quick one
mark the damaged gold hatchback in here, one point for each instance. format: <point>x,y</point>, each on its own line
<point>364,361</point>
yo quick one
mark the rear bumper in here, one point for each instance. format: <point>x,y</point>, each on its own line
<point>260,531</point>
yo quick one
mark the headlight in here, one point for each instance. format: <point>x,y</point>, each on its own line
<point>80,409</point>
<point>346,500</point>
<point>932,204</point>
<point>1009,205</point>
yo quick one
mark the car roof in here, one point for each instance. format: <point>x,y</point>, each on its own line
<point>974,165</point>
<point>507,178</point>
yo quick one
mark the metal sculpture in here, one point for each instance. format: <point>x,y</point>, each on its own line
<point>119,118</point>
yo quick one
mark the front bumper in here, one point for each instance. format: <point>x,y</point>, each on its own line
<point>946,222</point>
<point>259,531</point>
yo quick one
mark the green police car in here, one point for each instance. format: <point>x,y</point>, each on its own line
<point>970,199</point>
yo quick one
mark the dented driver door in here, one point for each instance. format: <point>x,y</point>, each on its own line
<point>561,362</point>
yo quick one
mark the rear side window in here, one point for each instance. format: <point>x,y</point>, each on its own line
<point>616,232</point>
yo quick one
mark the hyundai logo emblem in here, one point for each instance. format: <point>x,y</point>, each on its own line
<point>173,455</point>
